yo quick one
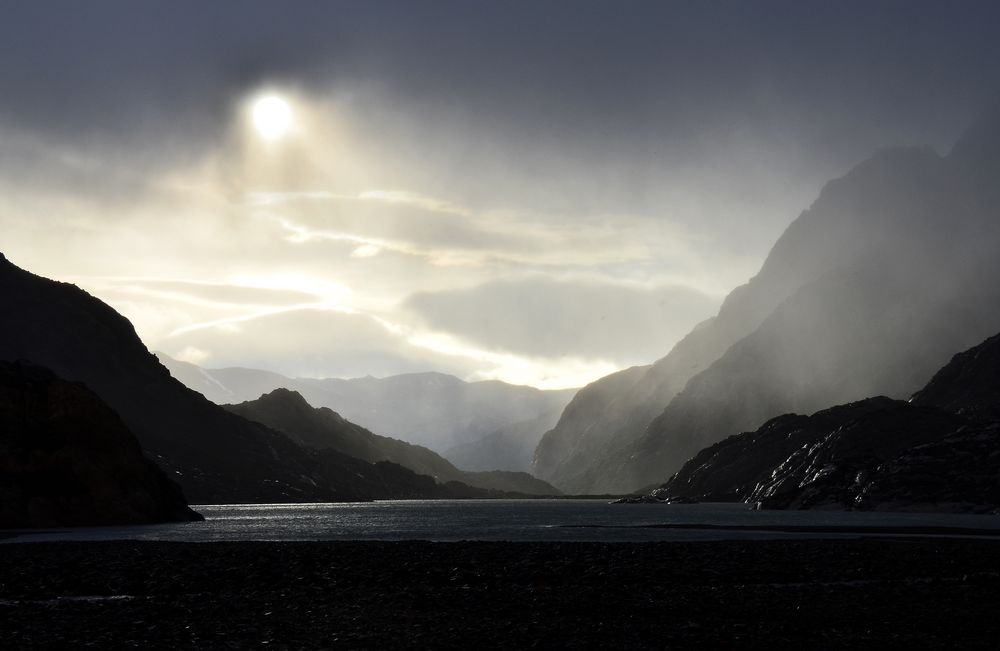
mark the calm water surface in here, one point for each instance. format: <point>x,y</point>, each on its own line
<point>515,520</point>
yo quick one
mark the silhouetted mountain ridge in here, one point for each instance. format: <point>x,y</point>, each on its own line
<point>434,410</point>
<point>216,456</point>
<point>67,459</point>
<point>969,385</point>
<point>323,428</point>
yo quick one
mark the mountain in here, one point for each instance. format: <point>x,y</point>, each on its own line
<point>434,410</point>
<point>969,385</point>
<point>322,428</point>
<point>939,451</point>
<point>67,459</point>
<point>866,293</point>
<point>215,455</point>
<point>511,447</point>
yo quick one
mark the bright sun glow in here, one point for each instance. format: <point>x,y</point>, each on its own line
<point>272,116</point>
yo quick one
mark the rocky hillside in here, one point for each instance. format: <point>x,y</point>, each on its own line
<point>940,451</point>
<point>215,455</point>
<point>969,385</point>
<point>866,293</point>
<point>322,428</point>
<point>434,410</point>
<point>67,459</point>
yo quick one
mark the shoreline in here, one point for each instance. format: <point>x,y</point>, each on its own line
<point>746,594</point>
<point>901,531</point>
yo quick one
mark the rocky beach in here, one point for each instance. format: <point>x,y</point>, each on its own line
<point>866,592</point>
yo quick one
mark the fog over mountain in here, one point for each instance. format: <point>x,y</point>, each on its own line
<point>450,195</point>
<point>216,456</point>
<point>539,193</point>
<point>429,409</point>
<point>323,428</point>
<point>936,452</point>
<point>868,292</point>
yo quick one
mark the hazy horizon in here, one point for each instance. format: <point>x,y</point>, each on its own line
<point>536,193</point>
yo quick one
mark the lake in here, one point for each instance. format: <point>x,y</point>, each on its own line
<point>514,520</point>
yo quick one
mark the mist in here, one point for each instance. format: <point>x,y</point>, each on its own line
<point>449,151</point>
<point>509,324</point>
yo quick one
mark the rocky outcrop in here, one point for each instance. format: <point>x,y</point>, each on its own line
<point>969,385</point>
<point>940,451</point>
<point>959,474</point>
<point>67,459</point>
<point>833,470</point>
<point>324,429</point>
<point>866,293</point>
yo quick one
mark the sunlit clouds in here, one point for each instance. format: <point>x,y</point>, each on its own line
<point>295,246</point>
<point>378,188</point>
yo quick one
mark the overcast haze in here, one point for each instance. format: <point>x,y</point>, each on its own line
<point>541,192</point>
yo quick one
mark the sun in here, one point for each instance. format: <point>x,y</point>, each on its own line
<point>272,116</point>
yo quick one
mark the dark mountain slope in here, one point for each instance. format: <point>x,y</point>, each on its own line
<point>873,454</point>
<point>67,459</point>
<point>322,428</point>
<point>216,456</point>
<point>791,449</point>
<point>960,474</point>
<point>969,385</point>
<point>430,409</point>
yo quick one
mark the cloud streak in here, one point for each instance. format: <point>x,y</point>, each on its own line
<point>540,316</point>
<point>534,209</point>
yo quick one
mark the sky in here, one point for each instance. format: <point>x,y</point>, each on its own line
<point>537,192</point>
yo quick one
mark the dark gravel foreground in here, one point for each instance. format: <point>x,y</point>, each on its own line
<point>773,594</point>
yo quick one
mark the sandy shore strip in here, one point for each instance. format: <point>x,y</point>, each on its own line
<point>732,594</point>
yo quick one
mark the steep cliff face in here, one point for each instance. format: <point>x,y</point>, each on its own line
<point>324,429</point>
<point>585,429</point>
<point>610,415</point>
<point>216,456</point>
<point>67,459</point>
<point>875,454</point>
<point>866,293</point>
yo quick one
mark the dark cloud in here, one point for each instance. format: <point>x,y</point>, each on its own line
<point>549,318</point>
<point>568,107</point>
<point>619,72</point>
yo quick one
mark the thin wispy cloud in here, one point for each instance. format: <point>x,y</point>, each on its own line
<point>488,219</point>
